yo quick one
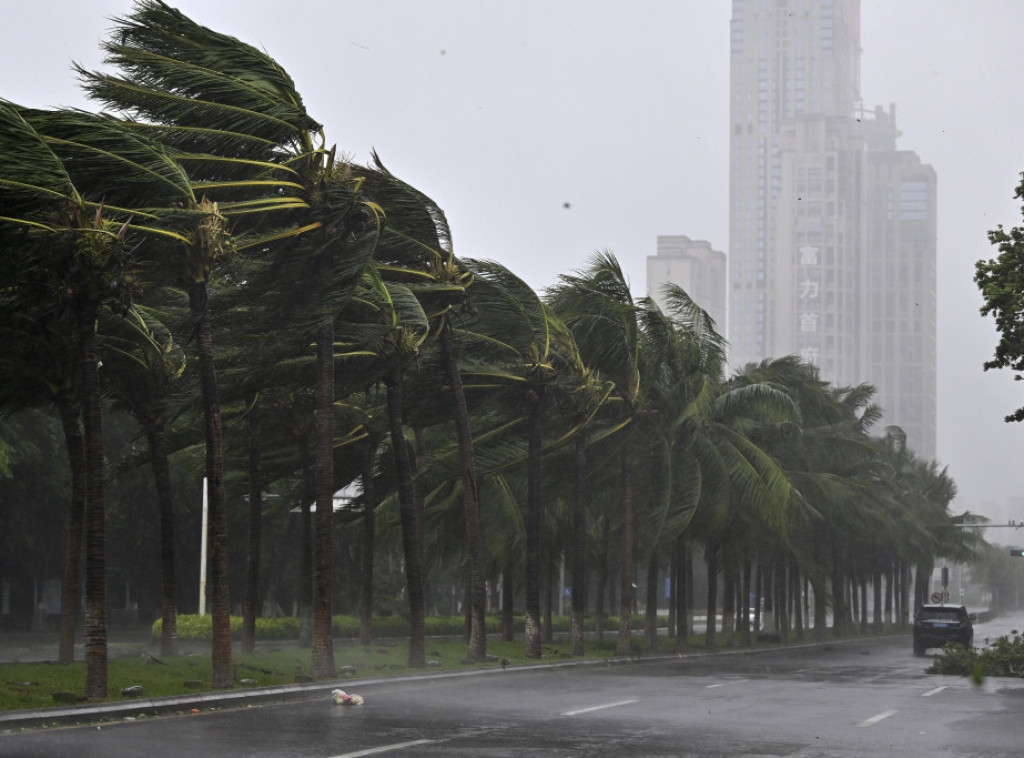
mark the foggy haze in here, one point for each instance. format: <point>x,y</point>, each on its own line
<point>547,131</point>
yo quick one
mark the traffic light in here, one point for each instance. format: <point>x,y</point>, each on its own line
<point>1017,552</point>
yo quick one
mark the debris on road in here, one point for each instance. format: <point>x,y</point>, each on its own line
<point>340,697</point>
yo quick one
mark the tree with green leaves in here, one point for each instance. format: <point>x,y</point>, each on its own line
<point>416,250</point>
<point>64,242</point>
<point>234,118</point>
<point>1001,281</point>
<point>598,307</point>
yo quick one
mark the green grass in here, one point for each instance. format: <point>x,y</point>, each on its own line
<point>31,685</point>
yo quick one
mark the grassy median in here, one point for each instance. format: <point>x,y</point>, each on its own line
<point>32,685</point>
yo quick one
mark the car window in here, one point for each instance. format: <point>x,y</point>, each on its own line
<point>940,614</point>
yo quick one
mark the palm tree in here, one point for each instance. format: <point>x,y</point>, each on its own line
<point>61,235</point>
<point>520,349</point>
<point>38,370</point>
<point>145,363</point>
<point>233,116</point>
<point>415,249</point>
<point>598,307</point>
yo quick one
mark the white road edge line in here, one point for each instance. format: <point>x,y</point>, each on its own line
<point>936,691</point>
<point>578,711</point>
<point>876,719</point>
<point>383,749</point>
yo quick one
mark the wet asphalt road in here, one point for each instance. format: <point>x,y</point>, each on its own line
<point>857,699</point>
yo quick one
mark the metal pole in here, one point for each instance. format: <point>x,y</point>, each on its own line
<point>202,557</point>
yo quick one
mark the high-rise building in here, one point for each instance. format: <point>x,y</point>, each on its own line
<point>831,228</point>
<point>898,350</point>
<point>694,266</point>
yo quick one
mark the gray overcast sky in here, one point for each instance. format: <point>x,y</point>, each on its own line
<point>503,112</point>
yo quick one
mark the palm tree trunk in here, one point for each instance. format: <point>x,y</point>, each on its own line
<point>217,527</point>
<point>626,568</point>
<point>369,539</point>
<point>820,605</point>
<point>651,611</point>
<point>95,509</point>
<point>711,559</point>
<point>306,551</point>
<point>579,537</point>
<point>759,599</point>
<point>781,602</point>
<point>474,540</point>
<point>905,607</point>
<point>745,620</point>
<point>863,587</point>
<point>322,665</point>
<point>508,601</point>
<point>252,564</point>
<point>682,629</point>
<point>164,494</point>
<point>76,513</point>
<point>838,600</point>
<point>533,552</point>
<point>729,599</point>
<point>411,547</point>
<point>549,583</point>
<point>602,583</point>
<point>890,575</point>
<point>796,598</point>
<point>419,496</point>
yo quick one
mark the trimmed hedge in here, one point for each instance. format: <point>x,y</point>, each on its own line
<point>347,627</point>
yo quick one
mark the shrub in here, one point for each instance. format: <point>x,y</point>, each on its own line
<point>191,627</point>
<point>1003,657</point>
<point>954,659</point>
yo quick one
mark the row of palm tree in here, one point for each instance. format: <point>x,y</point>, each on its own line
<point>493,428</point>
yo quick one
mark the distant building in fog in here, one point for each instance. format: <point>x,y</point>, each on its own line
<point>898,353</point>
<point>696,267</point>
<point>832,239</point>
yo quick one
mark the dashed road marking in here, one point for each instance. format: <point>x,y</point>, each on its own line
<point>599,707</point>
<point>383,749</point>
<point>876,719</point>
<point>722,684</point>
<point>936,691</point>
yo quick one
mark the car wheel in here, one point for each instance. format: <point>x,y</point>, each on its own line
<point>919,649</point>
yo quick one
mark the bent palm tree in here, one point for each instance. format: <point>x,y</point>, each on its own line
<point>415,249</point>
<point>55,174</point>
<point>232,115</point>
<point>599,309</point>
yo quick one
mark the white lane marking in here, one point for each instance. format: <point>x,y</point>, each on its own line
<point>599,707</point>
<point>722,684</point>
<point>936,691</point>
<point>876,719</point>
<point>383,749</point>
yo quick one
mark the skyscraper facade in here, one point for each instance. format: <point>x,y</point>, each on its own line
<point>816,221</point>
<point>694,266</point>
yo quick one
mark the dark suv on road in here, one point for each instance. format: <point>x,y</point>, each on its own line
<point>935,625</point>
